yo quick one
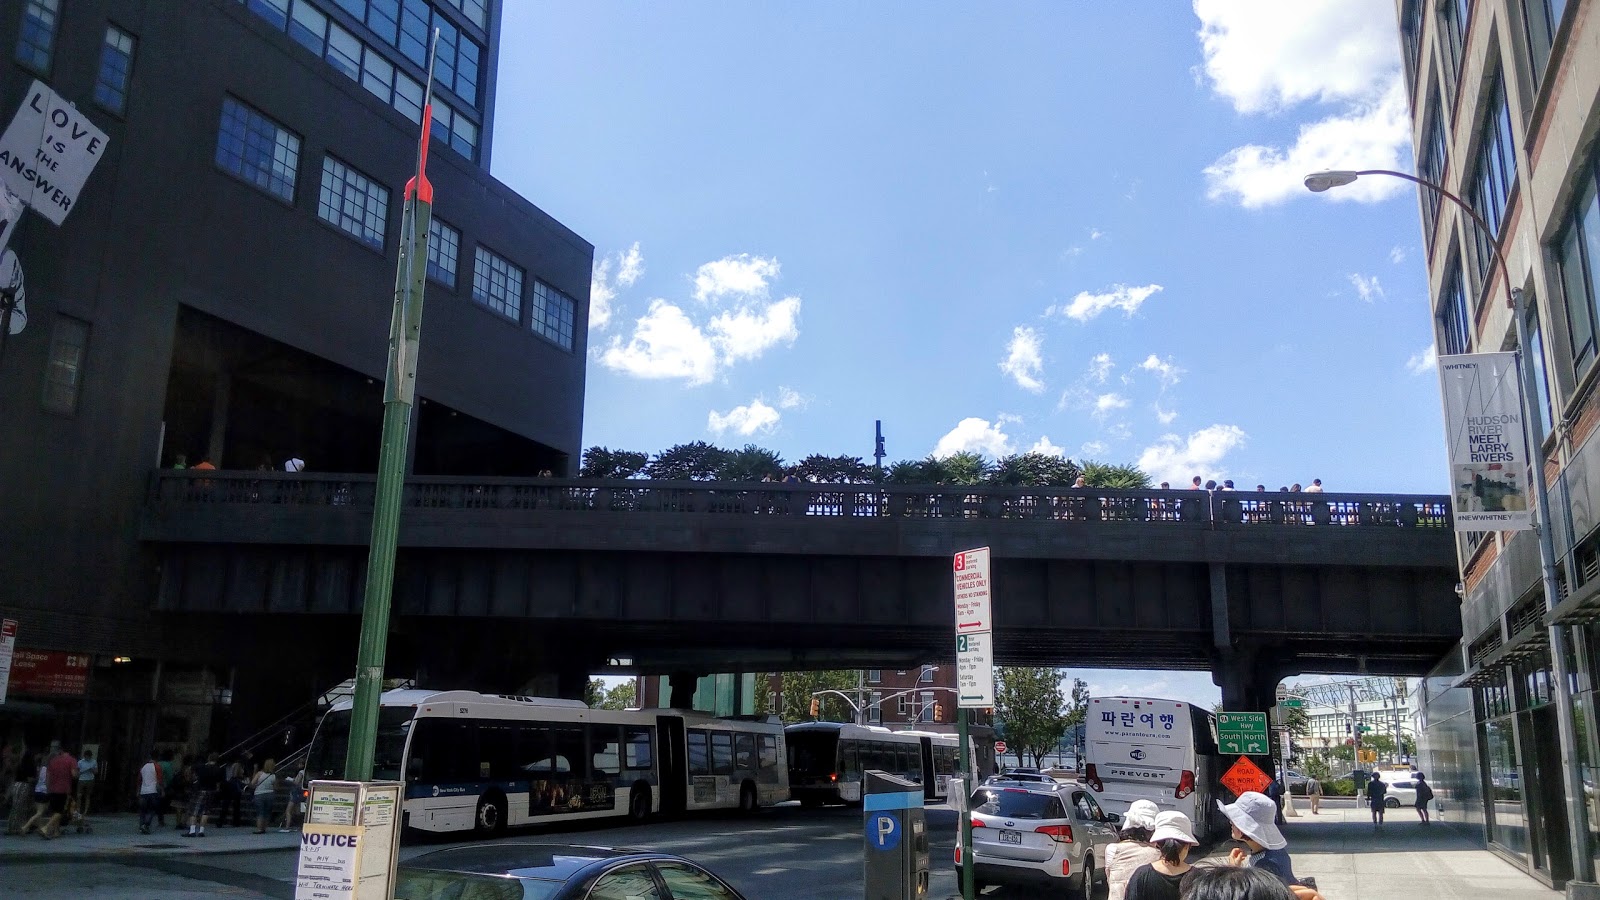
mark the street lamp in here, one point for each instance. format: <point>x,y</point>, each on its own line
<point>1533,438</point>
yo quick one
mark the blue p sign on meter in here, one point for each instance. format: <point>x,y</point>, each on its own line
<point>883,831</point>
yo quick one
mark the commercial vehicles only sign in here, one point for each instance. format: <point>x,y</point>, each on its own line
<point>48,152</point>
<point>973,609</point>
<point>1484,433</point>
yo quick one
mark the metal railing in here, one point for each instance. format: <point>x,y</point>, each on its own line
<point>175,489</point>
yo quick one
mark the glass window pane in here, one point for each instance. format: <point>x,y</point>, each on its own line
<point>274,11</point>
<point>116,65</point>
<point>444,244</point>
<point>629,883</point>
<point>408,97</point>
<point>63,374</point>
<point>383,17</point>
<point>309,27</point>
<point>257,149</point>
<point>37,35</point>
<point>690,883</point>
<point>377,75</point>
<point>353,202</point>
<point>497,284</point>
<point>344,51</point>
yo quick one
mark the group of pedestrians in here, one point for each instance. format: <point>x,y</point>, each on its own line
<point>193,788</point>
<point>1377,791</point>
<point>1151,862</point>
<point>48,790</point>
<point>1195,484</point>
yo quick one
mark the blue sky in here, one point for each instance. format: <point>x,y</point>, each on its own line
<point>1071,226</point>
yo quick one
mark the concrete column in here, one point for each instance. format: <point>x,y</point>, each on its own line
<point>683,686</point>
<point>221,393</point>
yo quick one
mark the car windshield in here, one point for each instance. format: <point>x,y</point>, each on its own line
<point>429,884</point>
<point>1013,804</point>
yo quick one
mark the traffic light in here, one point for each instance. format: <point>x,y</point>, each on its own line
<point>816,707</point>
<point>938,713</point>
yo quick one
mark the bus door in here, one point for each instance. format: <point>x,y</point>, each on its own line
<point>674,768</point>
<point>930,772</point>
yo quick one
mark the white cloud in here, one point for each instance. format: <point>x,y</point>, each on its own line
<point>1072,251</point>
<point>1093,450</point>
<point>1165,416</point>
<point>1397,254</point>
<point>1164,369</point>
<point>1120,430</point>
<point>665,344</point>
<point>1005,418</point>
<point>789,398</point>
<point>1100,367</point>
<point>734,276</point>
<point>1087,306</point>
<point>1106,404</point>
<point>1043,445</point>
<point>973,434</point>
<point>601,294</point>
<point>748,331</point>
<point>1423,361</point>
<point>1096,234</point>
<point>1176,459</point>
<point>744,420</point>
<point>1023,361</point>
<point>1367,288</point>
<point>630,266</point>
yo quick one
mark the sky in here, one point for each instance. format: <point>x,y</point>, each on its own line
<point>1072,227</point>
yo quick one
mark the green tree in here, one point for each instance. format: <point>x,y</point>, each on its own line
<point>796,689</point>
<point>594,693</point>
<point>752,463</point>
<point>1031,707</point>
<point>832,469</point>
<point>1033,470</point>
<point>698,461</point>
<point>601,462</point>
<point>1077,702</point>
<point>965,467</point>
<point>1106,475</point>
<point>623,696</point>
<point>916,471</point>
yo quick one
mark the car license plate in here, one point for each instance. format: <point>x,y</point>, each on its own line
<point>1010,837</point>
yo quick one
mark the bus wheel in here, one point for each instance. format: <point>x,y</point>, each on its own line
<point>638,804</point>
<point>747,798</point>
<point>491,817</point>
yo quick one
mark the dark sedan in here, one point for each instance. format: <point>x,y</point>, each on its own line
<point>515,871</point>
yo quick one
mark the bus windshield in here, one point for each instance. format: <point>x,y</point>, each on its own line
<point>813,753</point>
<point>333,742</point>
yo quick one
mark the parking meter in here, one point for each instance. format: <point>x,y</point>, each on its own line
<point>896,832</point>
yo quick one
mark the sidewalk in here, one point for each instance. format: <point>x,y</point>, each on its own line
<point>1401,860</point>
<point>118,834</point>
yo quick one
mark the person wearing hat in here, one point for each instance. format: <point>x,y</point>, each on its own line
<point>1133,850</point>
<point>1163,879</point>
<point>1254,822</point>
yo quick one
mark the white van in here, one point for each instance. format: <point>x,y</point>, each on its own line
<point>1164,751</point>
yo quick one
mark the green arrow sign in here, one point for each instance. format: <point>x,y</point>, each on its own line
<point>1242,732</point>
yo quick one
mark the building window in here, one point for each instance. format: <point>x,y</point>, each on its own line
<point>925,714</point>
<point>1453,19</point>
<point>257,149</point>
<point>1454,320</point>
<point>1579,251</point>
<point>63,371</point>
<point>473,10</point>
<point>1541,18</point>
<point>37,36</point>
<point>1411,40</point>
<point>455,129</point>
<point>1430,167</point>
<point>552,315</point>
<point>1540,375</point>
<point>905,703</point>
<point>1492,177</point>
<point>353,202</point>
<point>274,11</point>
<point>873,675</point>
<point>927,675</point>
<point>309,28</point>
<point>497,284</point>
<point>444,245</point>
<point>875,708</point>
<point>116,65</point>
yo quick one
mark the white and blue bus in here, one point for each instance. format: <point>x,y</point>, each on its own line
<point>1140,748</point>
<point>827,759</point>
<point>483,762</point>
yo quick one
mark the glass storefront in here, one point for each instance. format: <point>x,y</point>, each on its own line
<point>1508,825</point>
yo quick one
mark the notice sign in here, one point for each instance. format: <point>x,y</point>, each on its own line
<point>972,591</point>
<point>48,152</point>
<point>1484,433</point>
<point>975,670</point>
<point>8,644</point>
<point>327,869</point>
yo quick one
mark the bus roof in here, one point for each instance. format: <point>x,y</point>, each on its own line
<point>417,697</point>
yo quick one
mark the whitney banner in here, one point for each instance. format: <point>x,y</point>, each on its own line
<point>1483,427</point>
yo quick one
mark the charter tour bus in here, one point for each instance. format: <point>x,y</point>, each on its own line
<point>827,759</point>
<point>483,762</point>
<point>1159,750</point>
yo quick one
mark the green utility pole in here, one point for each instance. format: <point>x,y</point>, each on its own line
<point>968,865</point>
<point>399,392</point>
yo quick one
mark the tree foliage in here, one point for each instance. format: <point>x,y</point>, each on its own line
<point>594,693</point>
<point>833,469</point>
<point>1030,706</point>
<point>602,462</point>
<point>752,463</point>
<point>1106,475</point>
<point>623,696</point>
<point>966,467</point>
<point>698,461</point>
<point>795,690</point>
<point>1033,470</point>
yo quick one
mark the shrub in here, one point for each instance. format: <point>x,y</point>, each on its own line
<point>1339,787</point>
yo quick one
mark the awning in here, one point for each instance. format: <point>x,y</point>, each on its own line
<point>1581,608</point>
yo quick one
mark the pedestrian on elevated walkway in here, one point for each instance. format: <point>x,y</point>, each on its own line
<point>1252,816</point>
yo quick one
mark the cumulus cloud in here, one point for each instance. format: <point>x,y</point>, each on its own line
<point>1164,369</point>
<point>1176,458</point>
<point>1367,287</point>
<point>789,398</point>
<point>1100,367</point>
<point>1397,254</point>
<point>975,435</point>
<point>1087,306</point>
<point>1005,418</point>
<point>1106,404</point>
<point>747,332</point>
<point>1043,445</point>
<point>1266,57</point>
<point>1165,416</point>
<point>601,295</point>
<point>1096,234</point>
<point>1093,450</point>
<point>1424,361</point>
<point>734,276</point>
<point>630,265</point>
<point>744,420</point>
<point>1024,362</point>
<point>665,344</point>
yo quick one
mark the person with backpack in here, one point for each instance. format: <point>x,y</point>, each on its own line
<point>1424,797</point>
<point>151,782</point>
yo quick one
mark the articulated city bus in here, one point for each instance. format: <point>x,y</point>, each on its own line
<point>483,762</point>
<point>827,759</point>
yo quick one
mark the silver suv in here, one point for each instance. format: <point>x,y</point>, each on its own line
<point>1025,833</point>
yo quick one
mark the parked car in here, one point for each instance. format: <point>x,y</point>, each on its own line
<point>525,871</point>
<point>1017,776</point>
<point>1294,781</point>
<point>1037,835</point>
<point>1402,788</point>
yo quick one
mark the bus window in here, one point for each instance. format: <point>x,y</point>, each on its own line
<point>533,749</point>
<point>569,755</point>
<point>699,753</point>
<point>722,753</point>
<point>497,756</point>
<point>769,760</point>
<point>605,752</point>
<point>744,752</point>
<point>445,751</point>
<point>640,741</point>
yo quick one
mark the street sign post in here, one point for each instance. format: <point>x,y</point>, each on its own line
<point>1241,733</point>
<point>974,674</point>
<point>999,746</point>
<point>973,607</point>
<point>975,670</point>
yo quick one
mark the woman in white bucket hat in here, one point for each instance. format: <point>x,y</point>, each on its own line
<point>1133,850</point>
<point>1253,816</point>
<point>1163,879</point>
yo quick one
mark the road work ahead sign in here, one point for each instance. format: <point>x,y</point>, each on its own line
<point>48,152</point>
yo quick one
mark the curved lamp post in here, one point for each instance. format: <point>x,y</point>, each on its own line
<point>1533,438</point>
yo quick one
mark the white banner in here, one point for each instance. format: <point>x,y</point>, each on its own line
<point>8,645</point>
<point>48,151</point>
<point>1484,432</point>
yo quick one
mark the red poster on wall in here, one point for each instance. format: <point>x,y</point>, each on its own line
<point>49,673</point>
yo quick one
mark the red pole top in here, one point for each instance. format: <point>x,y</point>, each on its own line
<point>419,185</point>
